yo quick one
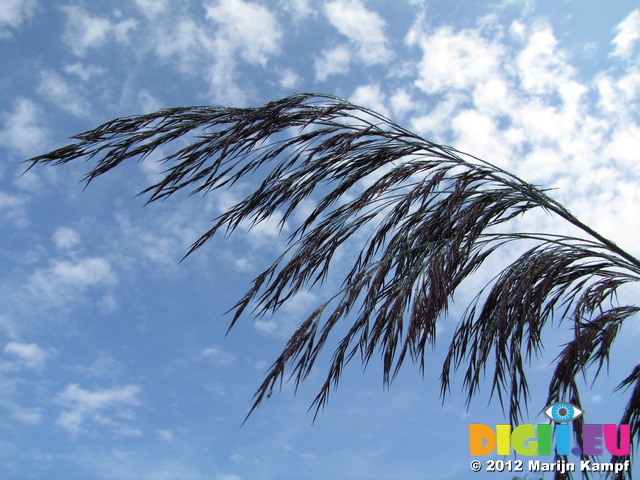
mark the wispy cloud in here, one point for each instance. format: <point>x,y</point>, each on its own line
<point>289,79</point>
<point>161,239</point>
<point>245,28</point>
<point>218,355</point>
<point>518,102</point>
<point>334,61</point>
<point>59,91</point>
<point>234,32</point>
<point>29,355</point>
<point>65,238</point>
<point>299,9</point>
<point>12,208</point>
<point>543,68</point>
<point>152,8</point>
<point>402,102</point>
<point>628,35</point>
<point>85,72</point>
<point>103,407</point>
<point>85,31</point>
<point>102,367</point>
<point>225,476</point>
<point>364,28</point>
<point>64,280</point>
<point>283,323</point>
<point>13,13</point>
<point>370,96</point>
<point>22,128</point>
<point>184,42</point>
<point>26,415</point>
<point>454,59</point>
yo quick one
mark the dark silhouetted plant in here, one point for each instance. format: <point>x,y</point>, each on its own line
<point>433,214</point>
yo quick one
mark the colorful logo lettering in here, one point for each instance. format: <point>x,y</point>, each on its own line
<point>532,440</point>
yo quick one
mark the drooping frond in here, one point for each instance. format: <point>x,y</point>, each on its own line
<point>431,214</point>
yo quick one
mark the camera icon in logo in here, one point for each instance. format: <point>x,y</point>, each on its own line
<point>563,412</point>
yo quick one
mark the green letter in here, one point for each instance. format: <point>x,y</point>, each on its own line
<point>522,435</point>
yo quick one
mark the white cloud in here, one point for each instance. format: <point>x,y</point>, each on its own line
<point>332,62</point>
<point>527,6</point>
<point>363,27</point>
<point>165,435</point>
<point>309,457</point>
<point>616,93</point>
<point>267,326</point>
<point>64,280</point>
<point>223,476</point>
<point>494,96</point>
<point>122,30</point>
<point>287,319</point>
<point>12,208</point>
<point>186,42</point>
<point>267,231</point>
<point>241,30</point>
<point>542,164</point>
<point>148,103</point>
<point>84,31</point>
<point>455,60</point>
<point>534,116</point>
<point>28,416</point>
<point>289,79</point>
<point>299,9</point>
<point>102,367</point>
<point>8,327</point>
<point>628,35</point>
<point>13,13</point>
<point>370,96</point>
<point>223,84</point>
<point>246,28</point>
<point>478,133</point>
<point>218,355</point>
<point>56,90</point>
<point>83,273</point>
<point>163,240</point>
<point>543,68</point>
<point>152,8</point>
<point>402,102</point>
<point>84,405</point>
<point>22,129</point>
<point>523,106</point>
<point>624,148</point>
<point>65,238</point>
<point>521,94</point>
<point>435,124</point>
<point>29,354</point>
<point>83,71</point>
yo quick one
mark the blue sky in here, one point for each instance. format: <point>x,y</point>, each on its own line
<point>114,362</point>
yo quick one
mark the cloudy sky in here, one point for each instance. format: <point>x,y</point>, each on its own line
<point>114,362</point>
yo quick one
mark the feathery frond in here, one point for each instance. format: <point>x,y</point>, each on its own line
<point>433,214</point>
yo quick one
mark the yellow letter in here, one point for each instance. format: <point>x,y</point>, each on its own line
<point>504,439</point>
